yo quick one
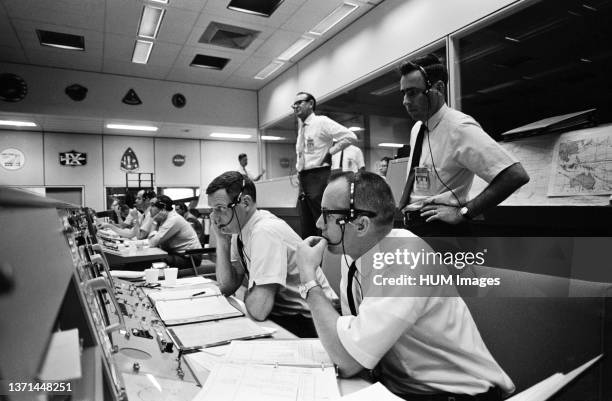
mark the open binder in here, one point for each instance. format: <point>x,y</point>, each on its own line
<point>291,370</point>
<point>218,332</point>
<point>195,309</point>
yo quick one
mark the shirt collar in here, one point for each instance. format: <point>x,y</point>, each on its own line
<point>247,229</point>
<point>308,119</point>
<point>434,120</point>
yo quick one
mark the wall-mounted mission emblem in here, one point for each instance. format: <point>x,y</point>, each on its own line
<point>178,160</point>
<point>12,159</point>
<point>73,158</point>
<point>129,161</point>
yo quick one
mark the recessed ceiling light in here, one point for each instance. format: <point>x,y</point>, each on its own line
<point>17,123</point>
<point>295,48</point>
<point>160,1</point>
<point>150,21</point>
<point>354,129</point>
<point>272,138</point>
<point>61,40</point>
<point>225,135</point>
<point>333,18</point>
<point>142,51</point>
<point>132,127</point>
<point>211,62</point>
<point>390,145</point>
<point>269,70</point>
<point>263,8</point>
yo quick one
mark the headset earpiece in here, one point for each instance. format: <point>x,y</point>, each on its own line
<point>341,221</point>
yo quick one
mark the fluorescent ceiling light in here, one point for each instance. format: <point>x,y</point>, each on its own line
<point>132,127</point>
<point>390,145</point>
<point>295,48</point>
<point>160,1</point>
<point>354,129</point>
<point>150,21</point>
<point>142,51</point>
<point>233,136</point>
<point>269,70</point>
<point>17,123</point>
<point>272,138</point>
<point>386,90</point>
<point>332,19</point>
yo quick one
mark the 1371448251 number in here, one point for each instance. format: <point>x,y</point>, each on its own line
<point>38,387</point>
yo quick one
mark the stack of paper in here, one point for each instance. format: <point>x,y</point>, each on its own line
<point>271,370</point>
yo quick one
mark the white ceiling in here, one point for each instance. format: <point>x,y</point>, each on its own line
<point>109,28</point>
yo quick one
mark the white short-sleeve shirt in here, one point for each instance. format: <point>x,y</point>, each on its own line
<point>422,344</point>
<point>460,149</point>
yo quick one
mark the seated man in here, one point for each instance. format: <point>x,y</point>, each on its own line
<point>141,224</point>
<point>420,341</point>
<point>265,246</point>
<point>182,210</point>
<point>174,233</point>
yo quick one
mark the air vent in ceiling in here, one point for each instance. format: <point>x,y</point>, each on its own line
<point>61,40</point>
<point>234,37</point>
<point>204,61</point>
<point>264,8</point>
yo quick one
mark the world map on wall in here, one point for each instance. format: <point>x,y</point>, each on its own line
<point>582,164</point>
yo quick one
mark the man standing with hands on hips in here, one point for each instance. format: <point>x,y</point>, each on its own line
<point>448,149</point>
<point>314,148</point>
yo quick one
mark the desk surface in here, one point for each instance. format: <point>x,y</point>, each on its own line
<point>131,255</point>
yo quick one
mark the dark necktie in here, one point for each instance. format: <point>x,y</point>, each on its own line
<point>241,254</point>
<point>341,160</point>
<point>349,288</point>
<point>414,162</point>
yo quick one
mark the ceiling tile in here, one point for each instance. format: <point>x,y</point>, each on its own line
<point>12,54</point>
<point>122,17</point>
<point>86,14</point>
<point>177,25</point>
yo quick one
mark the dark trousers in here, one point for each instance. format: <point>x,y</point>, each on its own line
<point>312,185</point>
<point>299,325</point>
<point>494,394</point>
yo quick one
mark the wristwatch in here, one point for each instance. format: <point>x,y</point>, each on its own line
<point>464,212</point>
<point>305,288</point>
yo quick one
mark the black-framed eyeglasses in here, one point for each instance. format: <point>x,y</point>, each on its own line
<point>345,212</point>
<point>297,103</point>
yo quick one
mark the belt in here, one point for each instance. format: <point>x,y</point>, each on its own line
<point>314,170</point>
<point>494,394</point>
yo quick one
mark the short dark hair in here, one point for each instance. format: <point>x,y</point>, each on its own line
<point>241,155</point>
<point>181,206</point>
<point>372,193</point>
<point>309,97</point>
<point>435,70</point>
<point>385,159</point>
<point>164,202</point>
<point>232,181</point>
<point>149,194</point>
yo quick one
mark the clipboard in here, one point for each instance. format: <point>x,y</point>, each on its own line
<point>194,310</point>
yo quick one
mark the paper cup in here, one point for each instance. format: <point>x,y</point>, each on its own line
<point>151,275</point>
<point>170,275</point>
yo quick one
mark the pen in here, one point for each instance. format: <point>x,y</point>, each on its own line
<point>198,293</point>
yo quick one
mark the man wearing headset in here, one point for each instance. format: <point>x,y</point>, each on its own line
<point>421,342</point>
<point>448,149</point>
<point>256,245</point>
<point>174,233</point>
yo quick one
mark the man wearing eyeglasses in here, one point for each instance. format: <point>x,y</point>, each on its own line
<point>448,149</point>
<point>258,248</point>
<point>421,342</point>
<point>314,148</point>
